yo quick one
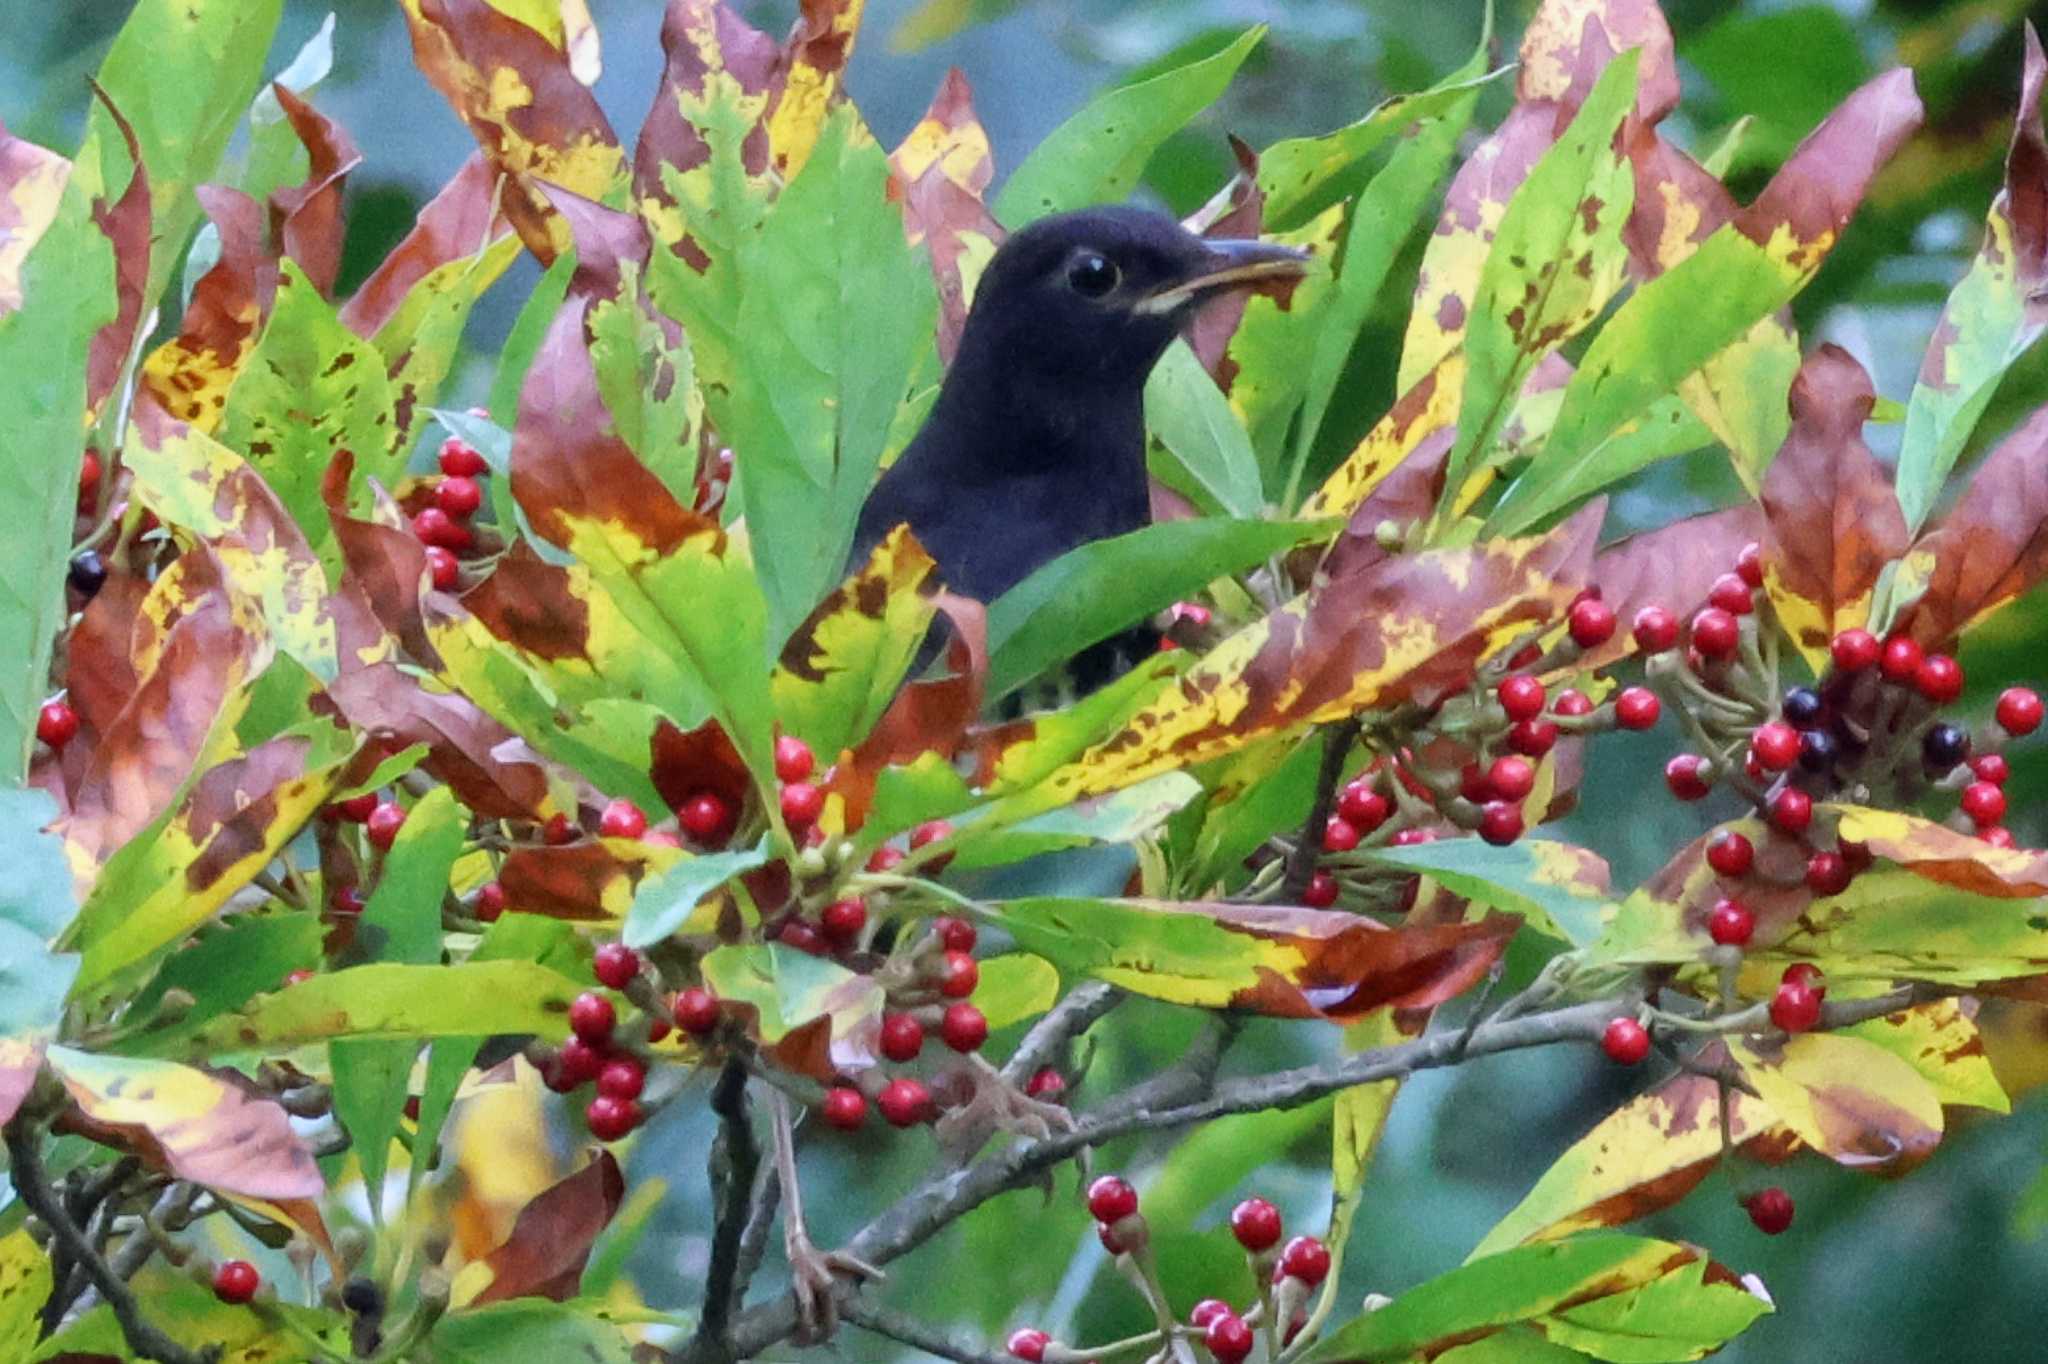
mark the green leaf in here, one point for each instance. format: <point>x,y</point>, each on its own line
<point>835,305</point>
<point>227,967</point>
<point>664,902</point>
<point>390,999</point>
<point>648,385</point>
<point>67,294</point>
<point>526,1328</point>
<point>25,1283</point>
<point>523,342</point>
<point>788,988</point>
<point>1559,887</point>
<point>276,156</point>
<point>182,123</point>
<point>1207,451</point>
<point>1667,427</point>
<point>1555,261</point>
<point>1098,155</point>
<point>1015,986</point>
<point>1121,817</point>
<point>36,904</point>
<point>371,1079</point>
<point>1614,1297</point>
<point>1090,593</point>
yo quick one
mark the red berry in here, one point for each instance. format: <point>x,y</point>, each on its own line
<point>1770,1209</point>
<point>615,964</point>
<point>435,527</point>
<point>1364,808</point>
<point>1305,1258</point>
<point>1827,873</point>
<point>559,830</point>
<point>1206,1311</point>
<point>902,1037</point>
<point>1998,836</point>
<point>904,1102</point>
<point>1500,823</point>
<point>1048,1084</point>
<point>1776,745</point>
<point>1521,696</point>
<point>1321,891</point>
<point>802,803</point>
<point>1807,974</point>
<point>963,1028</point>
<point>955,934</point>
<point>622,1079</point>
<point>1637,708</point>
<point>929,832</point>
<point>1731,924</point>
<point>1983,802</point>
<point>697,1010</point>
<point>1339,835</point>
<point>1854,650</point>
<point>89,472</point>
<point>458,496</point>
<point>1111,1199</point>
<point>843,920</point>
<point>489,902</point>
<point>382,827</point>
<point>958,975</point>
<point>1731,853</point>
<point>577,1062</point>
<point>610,1119</point>
<point>1900,659</point>
<point>1572,702</point>
<point>298,977</point>
<point>1715,633</point>
<point>658,1027</point>
<point>800,935</point>
<point>1028,1344</point>
<point>1228,1339</point>
<point>1939,678</point>
<point>1511,778</point>
<point>1256,1225</point>
<point>1731,594</point>
<point>1408,838</point>
<point>1686,776</point>
<point>1795,1007</point>
<point>1749,564</point>
<point>1625,1041</point>
<point>591,1017</point>
<point>1991,767</point>
<point>443,568</point>
<point>459,459</point>
<point>348,900</point>
<point>1591,622</point>
<point>845,1108</point>
<point>885,858</point>
<point>706,818</point>
<point>56,724</point>
<point>236,1281</point>
<point>358,808</point>
<point>1792,810</point>
<point>2019,711</point>
<point>1532,738</point>
<point>621,818</point>
<point>1656,630</point>
<point>793,760</point>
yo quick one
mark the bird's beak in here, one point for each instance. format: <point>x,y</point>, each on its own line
<point>1227,264</point>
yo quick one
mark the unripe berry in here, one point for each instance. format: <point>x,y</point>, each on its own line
<point>802,803</point>
<point>559,830</point>
<point>1749,564</point>
<point>963,1027</point>
<point>1998,836</point>
<point>1655,629</point>
<point>1983,802</point>
<point>591,1017</point>
<point>845,1108</point>
<point>1715,633</point>
<point>1305,1258</point>
<point>1854,650</point>
<point>1111,1199</point>
<point>1362,807</point>
<point>804,938</point>
<point>621,818</point>
<point>1474,784</point>
<point>1827,873</point>
<point>1511,778</point>
<point>1047,1084</point>
<point>902,1037</point>
<point>958,975</point>
<point>1731,594</point>
<point>623,1078</point>
<point>1521,696</point>
<point>1532,738</point>
<point>90,471</point>
<point>1795,1007</point>
<point>930,832</point>
<point>1591,622</point>
<point>2019,711</point>
<point>1321,891</point>
<point>458,496</point>
<point>1775,744</point>
<point>1792,810</point>
<point>1731,924</point>
<point>56,724</point>
<point>1625,1041</point>
<point>382,827</point>
<point>615,964</point>
<point>904,1102</point>
<point>1256,1225</point>
<point>1770,1209</point>
<point>1686,776</point>
<point>1939,679</point>
<point>793,760</point>
<point>696,1011</point>
<point>236,1281</point>
<point>1339,835</point>
<point>1900,660</point>
<point>885,858</point>
<point>1807,974</point>
<point>1500,823</point>
<point>1637,708</point>
<point>461,459</point>
<point>610,1119</point>
<point>357,808</point>
<point>1731,853</point>
<point>436,527</point>
<point>444,570</point>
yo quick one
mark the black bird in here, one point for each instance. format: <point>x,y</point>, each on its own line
<point>1036,444</point>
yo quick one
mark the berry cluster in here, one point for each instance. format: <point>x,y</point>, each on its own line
<point>444,525</point>
<point>595,1054</point>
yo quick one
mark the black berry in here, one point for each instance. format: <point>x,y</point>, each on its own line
<point>1945,746</point>
<point>88,573</point>
<point>1802,707</point>
<point>1818,750</point>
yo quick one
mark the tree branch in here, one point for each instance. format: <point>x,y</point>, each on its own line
<point>735,1161</point>
<point>32,1182</point>
<point>1301,861</point>
<point>1084,1005</point>
<point>908,1330</point>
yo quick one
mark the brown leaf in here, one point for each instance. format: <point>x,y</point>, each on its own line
<point>1833,520</point>
<point>1993,545</point>
<point>306,219</point>
<point>492,770</point>
<point>582,881</point>
<point>1776,893</point>
<point>126,221</point>
<point>1569,42</point>
<point>699,38</point>
<point>386,565</point>
<point>926,717</point>
<point>1236,210</point>
<point>456,223</point>
<point>1942,854</point>
<point>940,174</point>
<point>1407,494</point>
<point>189,375</point>
<point>685,763</point>
<point>551,1238</point>
<point>1673,567</point>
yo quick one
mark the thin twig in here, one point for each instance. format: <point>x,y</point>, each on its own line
<point>735,1159</point>
<point>1084,1005</point>
<point>32,1182</point>
<point>908,1330</point>
<point>754,1240</point>
<point>1301,862</point>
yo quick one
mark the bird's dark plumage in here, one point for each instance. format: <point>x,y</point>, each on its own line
<point>1036,444</point>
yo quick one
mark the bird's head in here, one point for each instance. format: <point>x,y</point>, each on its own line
<point>1095,297</point>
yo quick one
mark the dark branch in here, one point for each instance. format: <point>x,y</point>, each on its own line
<point>735,1162</point>
<point>1065,1021</point>
<point>908,1330</point>
<point>1301,862</point>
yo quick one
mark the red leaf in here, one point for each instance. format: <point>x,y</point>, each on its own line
<point>1673,567</point>
<point>126,222</point>
<point>455,224</point>
<point>551,1238</point>
<point>1993,546</point>
<point>306,219</point>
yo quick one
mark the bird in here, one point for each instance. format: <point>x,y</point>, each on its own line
<point>1035,444</point>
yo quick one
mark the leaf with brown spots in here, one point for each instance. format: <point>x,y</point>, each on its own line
<point>1942,854</point>
<point>491,769</point>
<point>1427,408</point>
<point>1833,522</point>
<point>519,93</point>
<point>551,1239</point>
<point>1665,919</point>
<point>591,880</point>
<point>1569,42</point>
<point>1270,959</point>
<point>211,1127</point>
<point>190,375</point>
<point>126,221</point>
<point>1992,546</point>
<point>814,59</point>
<point>1940,1040</point>
<point>1853,1101</point>
<point>385,563</point>
<point>1997,310</point>
<point>1673,567</point>
<point>940,173</point>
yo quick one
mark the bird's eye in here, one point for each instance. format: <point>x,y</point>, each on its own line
<point>1091,276</point>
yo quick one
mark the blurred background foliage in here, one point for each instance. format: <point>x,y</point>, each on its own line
<point>1946,1265</point>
